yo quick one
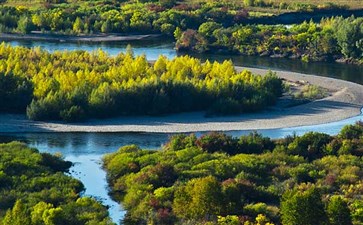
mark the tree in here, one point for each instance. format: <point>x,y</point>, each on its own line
<point>106,26</point>
<point>348,33</point>
<point>338,212</point>
<point>311,145</point>
<point>303,207</point>
<point>352,131</point>
<point>200,198</point>
<point>18,215</point>
<point>249,2</point>
<point>25,25</point>
<point>78,25</point>
<point>206,29</point>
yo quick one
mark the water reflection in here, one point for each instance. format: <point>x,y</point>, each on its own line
<point>152,49</point>
<point>77,144</point>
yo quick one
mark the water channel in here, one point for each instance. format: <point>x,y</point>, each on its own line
<point>85,150</point>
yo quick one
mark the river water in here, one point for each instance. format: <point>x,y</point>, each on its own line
<point>85,150</point>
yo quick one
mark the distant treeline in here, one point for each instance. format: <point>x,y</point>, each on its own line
<point>95,17</point>
<point>331,39</point>
<point>78,85</point>
<point>34,190</point>
<point>216,179</point>
<point>146,16</point>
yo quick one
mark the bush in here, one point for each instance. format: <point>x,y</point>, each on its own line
<point>214,142</point>
<point>75,113</point>
<point>225,106</point>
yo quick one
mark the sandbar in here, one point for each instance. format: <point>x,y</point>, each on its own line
<point>345,101</point>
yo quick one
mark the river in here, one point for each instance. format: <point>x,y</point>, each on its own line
<point>85,150</point>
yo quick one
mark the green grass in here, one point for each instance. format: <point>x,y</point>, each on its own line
<point>311,92</point>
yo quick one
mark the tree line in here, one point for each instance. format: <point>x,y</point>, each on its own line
<point>104,17</point>
<point>313,179</point>
<point>77,85</point>
<point>163,16</point>
<point>331,39</point>
<point>34,190</point>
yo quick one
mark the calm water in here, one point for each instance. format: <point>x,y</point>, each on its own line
<point>85,150</point>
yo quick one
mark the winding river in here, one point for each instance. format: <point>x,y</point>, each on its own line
<point>85,150</point>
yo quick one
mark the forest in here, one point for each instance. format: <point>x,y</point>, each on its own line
<point>313,179</point>
<point>331,39</point>
<point>77,85</point>
<point>35,190</point>
<point>146,16</point>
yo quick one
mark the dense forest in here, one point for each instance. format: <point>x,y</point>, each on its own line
<point>331,39</point>
<point>313,179</point>
<point>77,85</point>
<point>163,16</point>
<point>34,190</point>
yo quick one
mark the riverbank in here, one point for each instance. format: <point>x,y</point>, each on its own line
<point>345,101</point>
<point>81,38</point>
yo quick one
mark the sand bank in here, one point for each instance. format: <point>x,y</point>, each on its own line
<point>345,101</point>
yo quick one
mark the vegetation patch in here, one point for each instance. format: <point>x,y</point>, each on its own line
<point>314,179</point>
<point>34,190</point>
<point>311,92</point>
<point>72,86</point>
<point>331,39</point>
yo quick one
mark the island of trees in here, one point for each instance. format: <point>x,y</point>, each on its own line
<point>77,85</point>
<point>313,179</point>
<point>34,190</point>
<point>331,39</point>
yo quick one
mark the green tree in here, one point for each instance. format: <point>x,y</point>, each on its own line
<point>18,215</point>
<point>200,199</point>
<point>78,25</point>
<point>338,212</point>
<point>25,25</point>
<point>106,26</point>
<point>348,33</point>
<point>249,2</point>
<point>303,207</point>
<point>206,29</point>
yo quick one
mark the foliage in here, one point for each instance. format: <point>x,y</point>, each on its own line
<point>35,191</point>
<point>328,40</point>
<point>16,93</point>
<point>338,211</point>
<point>311,92</point>
<point>251,180</point>
<point>303,207</point>
<point>77,85</point>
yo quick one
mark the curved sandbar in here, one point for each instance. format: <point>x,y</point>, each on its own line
<point>345,102</point>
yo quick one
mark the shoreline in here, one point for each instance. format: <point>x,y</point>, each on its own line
<point>73,38</point>
<point>345,102</point>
